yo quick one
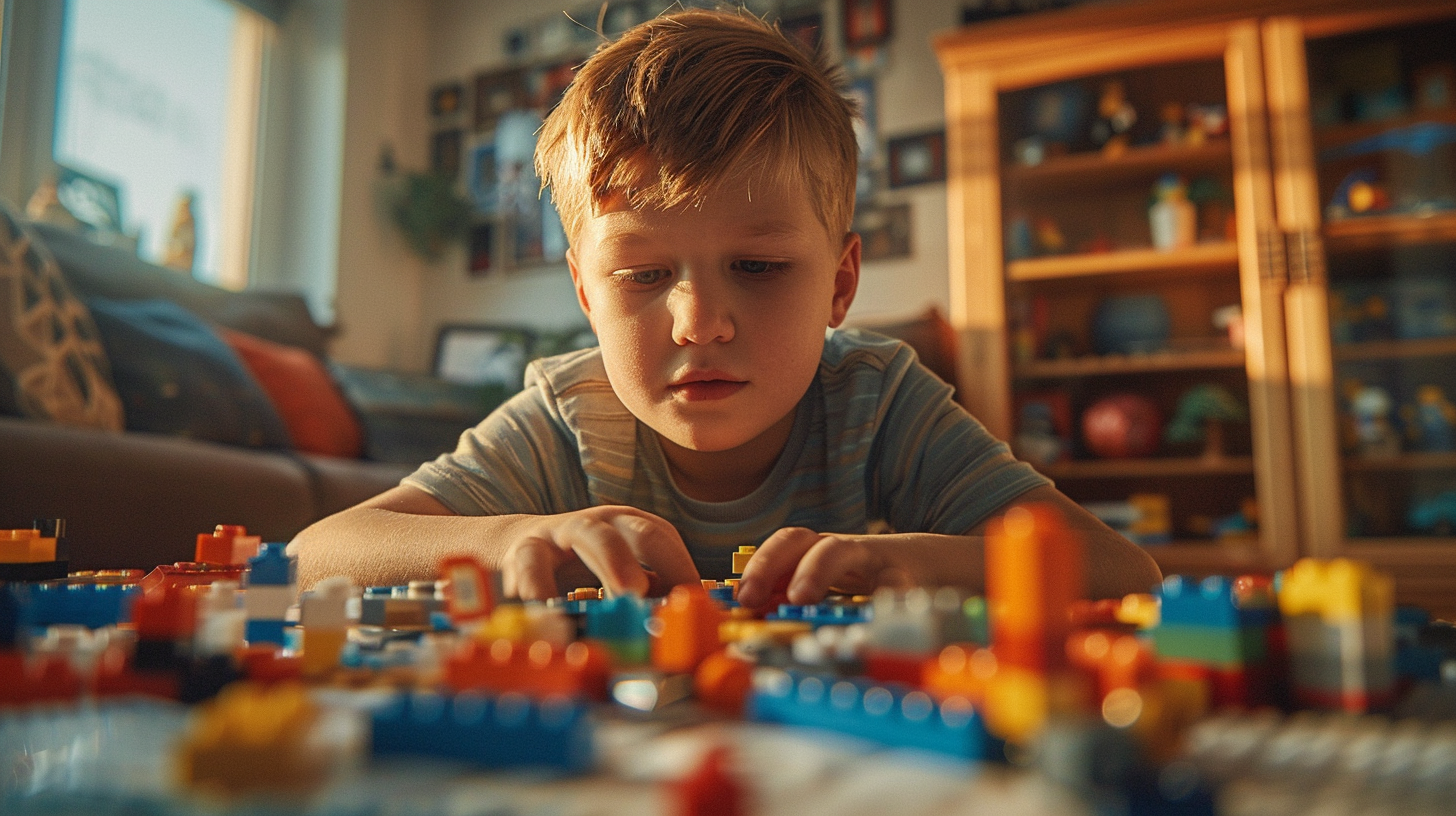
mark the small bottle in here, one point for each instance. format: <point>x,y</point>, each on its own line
<point>1172,217</point>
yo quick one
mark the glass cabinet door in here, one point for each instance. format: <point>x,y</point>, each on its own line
<point>1141,352</point>
<point>1365,139</point>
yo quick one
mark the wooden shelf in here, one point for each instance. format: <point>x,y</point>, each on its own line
<point>1130,364</point>
<point>1211,256</point>
<point>1207,558</point>
<point>1137,164</point>
<point>1406,462</point>
<point>1395,349</point>
<point>1330,136</point>
<point>1145,468</point>
<point>1379,231</point>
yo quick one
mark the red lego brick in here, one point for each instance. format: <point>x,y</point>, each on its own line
<point>191,573</point>
<point>50,679</point>
<point>894,667</point>
<point>228,544</point>
<point>1116,660</point>
<point>469,589</point>
<point>536,669</point>
<point>710,789</point>
<point>116,676</point>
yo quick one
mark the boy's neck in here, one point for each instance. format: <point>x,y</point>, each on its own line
<point>720,476</point>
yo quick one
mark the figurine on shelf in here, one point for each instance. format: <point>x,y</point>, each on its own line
<point>1431,422</point>
<point>1172,132</point>
<point>1172,218</point>
<point>1036,439</point>
<point>1215,204</point>
<point>1205,121</point>
<point>1370,407</point>
<point>182,238</point>
<point>1115,118</point>
<point>1361,192</point>
<point>1049,237</point>
<point>1200,415</point>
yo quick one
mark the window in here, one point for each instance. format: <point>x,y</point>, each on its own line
<point>160,99</point>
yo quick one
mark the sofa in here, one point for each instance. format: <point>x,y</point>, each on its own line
<point>138,498</point>
<point>137,488</point>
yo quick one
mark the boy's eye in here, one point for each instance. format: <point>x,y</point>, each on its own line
<point>758,267</point>
<point>641,277</point>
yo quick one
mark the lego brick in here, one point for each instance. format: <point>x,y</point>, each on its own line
<point>254,739</point>
<point>722,682</point>
<point>621,625</point>
<point>89,605</point>
<point>687,629</point>
<point>268,602</point>
<point>26,546</point>
<point>825,614</point>
<point>470,589</point>
<point>740,558</point>
<point>888,715</point>
<point>1339,589</point>
<point>509,731</point>
<point>227,544</point>
<point>1215,645</point>
<point>1217,600</point>
<point>539,669</point>
<point>188,573</point>
<point>272,566</point>
<point>266,631</point>
<point>1034,571</point>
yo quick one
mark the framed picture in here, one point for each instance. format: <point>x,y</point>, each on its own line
<point>93,202</point>
<point>482,181</point>
<point>496,93</point>
<point>918,159</point>
<point>866,22</point>
<point>805,28</point>
<point>471,354</point>
<point>447,101</point>
<point>446,147</point>
<point>884,232</point>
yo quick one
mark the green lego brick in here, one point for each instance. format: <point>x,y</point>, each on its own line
<point>1217,646</point>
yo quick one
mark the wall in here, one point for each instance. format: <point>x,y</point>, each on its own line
<point>466,36</point>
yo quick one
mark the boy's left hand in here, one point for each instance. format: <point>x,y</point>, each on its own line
<point>812,563</point>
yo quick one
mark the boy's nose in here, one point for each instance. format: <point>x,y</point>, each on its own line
<point>698,316</point>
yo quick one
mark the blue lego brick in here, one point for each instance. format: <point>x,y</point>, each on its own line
<point>12,602</point>
<point>887,714</point>
<point>267,631</point>
<point>509,731</point>
<point>824,614</point>
<point>272,566</point>
<point>1208,602</point>
<point>89,605</point>
<point>723,595</point>
<point>621,625</point>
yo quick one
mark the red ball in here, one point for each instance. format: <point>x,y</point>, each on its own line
<point>1122,426</point>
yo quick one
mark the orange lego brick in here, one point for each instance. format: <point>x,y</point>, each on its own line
<point>685,629</point>
<point>26,547</point>
<point>191,573</point>
<point>1034,573</point>
<point>535,669</point>
<point>228,544</point>
<point>470,592</point>
<point>722,682</point>
<point>960,670</point>
<point>1116,660</point>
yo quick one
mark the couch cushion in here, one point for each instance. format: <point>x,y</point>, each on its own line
<point>176,376</point>
<point>110,272</point>
<point>137,500</point>
<point>412,418</point>
<point>52,363</point>
<point>305,396</point>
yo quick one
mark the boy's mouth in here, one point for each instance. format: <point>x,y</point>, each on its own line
<point>705,385</point>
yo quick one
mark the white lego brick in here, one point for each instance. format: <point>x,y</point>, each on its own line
<point>268,602</point>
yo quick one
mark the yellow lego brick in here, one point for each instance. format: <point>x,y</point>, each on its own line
<point>1140,610</point>
<point>740,558</point>
<point>1338,590</point>
<point>26,547</point>
<point>732,631</point>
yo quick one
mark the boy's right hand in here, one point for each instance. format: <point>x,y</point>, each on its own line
<point>619,545</point>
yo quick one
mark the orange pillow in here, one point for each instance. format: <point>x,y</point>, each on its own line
<point>313,409</point>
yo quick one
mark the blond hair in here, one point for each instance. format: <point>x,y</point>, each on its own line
<point>683,101</point>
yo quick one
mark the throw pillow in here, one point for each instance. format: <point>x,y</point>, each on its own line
<point>176,376</point>
<point>311,405</point>
<point>52,363</point>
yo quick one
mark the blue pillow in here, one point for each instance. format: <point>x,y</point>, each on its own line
<point>176,376</point>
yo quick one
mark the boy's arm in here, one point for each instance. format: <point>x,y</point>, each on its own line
<point>403,533</point>
<point>859,564</point>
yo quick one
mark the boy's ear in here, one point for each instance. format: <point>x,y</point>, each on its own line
<point>576,284</point>
<point>846,279</point>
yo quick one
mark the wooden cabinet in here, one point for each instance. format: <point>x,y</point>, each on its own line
<point>1070,293</point>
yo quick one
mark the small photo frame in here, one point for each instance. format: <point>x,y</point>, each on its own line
<point>447,101</point>
<point>866,22</point>
<point>917,159</point>
<point>471,354</point>
<point>884,232</point>
<point>496,93</point>
<point>446,147</point>
<point>93,202</point>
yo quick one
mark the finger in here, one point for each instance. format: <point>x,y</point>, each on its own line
<point>606,553</point>
<point>833,561</point>
<point>658,545</point>
<point>530,569</point>
<point>772,564</point>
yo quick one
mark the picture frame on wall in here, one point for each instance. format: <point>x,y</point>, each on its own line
<point>884,232</point>
<point>867,23</point>
<point>496,93</point>
<point>483,354</point>
<point>447,101</point>
<point>916,159</point>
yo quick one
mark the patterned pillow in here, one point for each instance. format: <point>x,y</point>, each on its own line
<point>52,363</point>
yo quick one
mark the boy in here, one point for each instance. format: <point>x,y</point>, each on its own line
<point>704,168</point>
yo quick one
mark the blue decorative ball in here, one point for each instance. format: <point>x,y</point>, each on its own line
<point>1130,324</point>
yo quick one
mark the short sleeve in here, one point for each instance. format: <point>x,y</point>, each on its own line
<point>519,459</point>
<point>938,469</point>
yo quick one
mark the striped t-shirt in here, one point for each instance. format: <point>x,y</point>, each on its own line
<point>877,437</point>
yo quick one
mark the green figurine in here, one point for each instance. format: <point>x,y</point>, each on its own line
<point>1200,415</point>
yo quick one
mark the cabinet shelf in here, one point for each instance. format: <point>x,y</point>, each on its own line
<point>1381,231</point>
<point>1400,462</point>
<point>1130,364</point>
<point>1143,468</point>
<point>1395,349</point>
<point>1338,135</point>
<point>1211,256</point>
<point>1137,164</point>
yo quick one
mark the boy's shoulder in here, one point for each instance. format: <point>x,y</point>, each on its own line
<point>849,349</point>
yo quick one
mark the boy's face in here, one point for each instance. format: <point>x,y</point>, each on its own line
<point>712,319</point>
